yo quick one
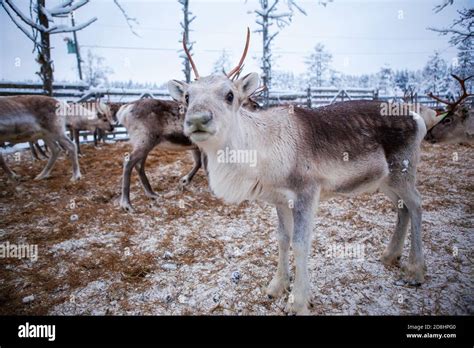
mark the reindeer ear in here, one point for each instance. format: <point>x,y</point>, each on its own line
<point>248,84</point>
<point>101,107</point>
<point>176,89</point>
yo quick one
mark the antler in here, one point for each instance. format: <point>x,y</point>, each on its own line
<point>239,66</point>
<point>259,91</point>
<point>196,74</point>
<point>464,95</point>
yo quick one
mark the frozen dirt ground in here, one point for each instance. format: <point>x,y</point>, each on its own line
<point>187,253</point>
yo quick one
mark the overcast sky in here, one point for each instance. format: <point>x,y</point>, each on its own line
<point>362,35</point>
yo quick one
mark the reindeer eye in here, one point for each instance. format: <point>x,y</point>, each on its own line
<point>447,120</point>
<point>229,97</point>
<point>186,98</point>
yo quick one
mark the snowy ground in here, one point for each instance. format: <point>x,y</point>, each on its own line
<point>187,253</point>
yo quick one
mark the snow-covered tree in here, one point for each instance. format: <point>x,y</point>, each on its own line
<point>222,64</point>
<point>401,79</point>
<point>318,65</point>
<point>286,80</point>
<point>41,22</point>
<point>464,63</point>
<point>462,28</point>
<point>39,25</point>
<point>271,19</point>
<point>188,17</point>
<point>336,78</point>
<point>364,80</point>
<point>96,73</point>
<point>435,75</point>
<point>385,83</point>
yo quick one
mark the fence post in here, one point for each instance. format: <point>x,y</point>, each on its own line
<point>376,94</point>
<point>308,98</point>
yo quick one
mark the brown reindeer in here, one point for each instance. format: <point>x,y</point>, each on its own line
<point>150,123</point>
<point>29,118</point>
<point>88,116</point>
<point>456,125</point>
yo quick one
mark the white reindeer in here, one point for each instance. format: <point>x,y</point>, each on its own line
<point>305,156</point>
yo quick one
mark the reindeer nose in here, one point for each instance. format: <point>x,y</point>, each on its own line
<point>199,120</point>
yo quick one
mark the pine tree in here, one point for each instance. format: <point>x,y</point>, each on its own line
<point>222,64</point>
<point>435,75</point>
<point>318,65</point>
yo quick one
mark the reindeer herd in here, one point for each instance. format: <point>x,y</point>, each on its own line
<point>304,155</point>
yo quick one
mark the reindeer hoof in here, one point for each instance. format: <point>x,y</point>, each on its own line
<point>277,287</point>
<point>298,304</point>
<point>41,176</point>
<point>151,195</point>
<point>76,177</point>
<point>390,259</point>
<point>184,181</point>
<point>126,206</point>
<point>414,274</point>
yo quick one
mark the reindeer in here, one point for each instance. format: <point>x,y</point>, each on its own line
<point>29,118</point>
<point>456,125</point>
<point>87,119</point>
<point>150,123</point>
<point>301,160</point>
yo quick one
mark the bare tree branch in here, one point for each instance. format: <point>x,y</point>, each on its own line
<point>23,17</point>
<point>129,19</point>
<point>66,8</point>
<point>67,29</point>
<point>14,20</point>
<point>444,4</point>
<point>461,30</point>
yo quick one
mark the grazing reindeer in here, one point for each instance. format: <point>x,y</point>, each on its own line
<point>456,125</point>
<point>151,123</point>
<point>302,159</point>
<point>29,118</point>
<point>86,119</point>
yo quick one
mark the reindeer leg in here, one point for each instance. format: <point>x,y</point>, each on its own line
<point>414,271</point>
<point>32,150</point>
<point>96,136</point>
<point>281,280</point>
<point>77,141</point>
<point>303,212</point>
<point>70,147</point>
<point>136,156</point>
<point>393,252</point>
<point>40,150</point>
<point>10,173</point>
<point>49,166</point>
<point>185,180</point>
<point>140,167</point>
